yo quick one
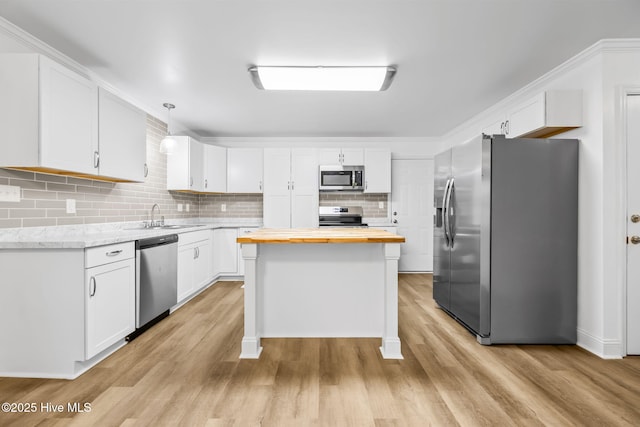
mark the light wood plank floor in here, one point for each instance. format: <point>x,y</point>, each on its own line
<point>186,371</point>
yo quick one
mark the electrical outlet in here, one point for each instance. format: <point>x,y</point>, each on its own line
<point>380,205</point>
<point>179,207</point>
<point>223,207</point>
<point>71,206</point>
<point>9,193</point>
<point>187,207</point>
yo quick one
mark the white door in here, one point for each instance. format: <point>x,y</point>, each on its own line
<point>412,211</point>
<point>633,228</point>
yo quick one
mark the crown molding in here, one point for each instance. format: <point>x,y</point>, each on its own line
<point>601,47</point>
<point>36,45</point>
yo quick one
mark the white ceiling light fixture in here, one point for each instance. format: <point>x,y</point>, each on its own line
<point>366,78</point>
<point>168,143</point>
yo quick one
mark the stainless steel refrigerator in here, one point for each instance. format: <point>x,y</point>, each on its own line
<point>505,238</point>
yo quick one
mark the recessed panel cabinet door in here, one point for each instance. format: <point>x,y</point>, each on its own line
<point>122,138</point>
<point>110,304</point>
<point>68,119</point>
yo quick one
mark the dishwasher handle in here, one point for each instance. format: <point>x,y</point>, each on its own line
<point>156,241</point>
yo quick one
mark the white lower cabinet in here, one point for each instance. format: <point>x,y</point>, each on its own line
<point>109,296</point>
<point>194,262</point>
<point>225,252</point>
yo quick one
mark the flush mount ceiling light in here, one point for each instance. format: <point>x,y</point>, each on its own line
<point>168,143</point>
<point>322,78</point>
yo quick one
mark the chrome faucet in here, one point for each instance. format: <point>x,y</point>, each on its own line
<point>153,223</point>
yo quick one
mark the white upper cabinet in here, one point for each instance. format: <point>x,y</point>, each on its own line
<point>546,114</point>
<point>49,116</point>
<point>377,170</point>
<point>244,170</point>
<point>290,188</point>
<point>341,156</point>
<point>185,166</point>
<point>51,119</point>
<point>215,169</point>
<point>122,138</point>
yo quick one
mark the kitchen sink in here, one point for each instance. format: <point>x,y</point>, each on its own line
<point>162,227</point>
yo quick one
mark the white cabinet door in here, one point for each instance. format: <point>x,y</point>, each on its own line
<point>122,133</point>
<point>225,251</point>
<point>527,116</point>
<point>495,127</point>
<point>215,169</point>
<point>68,119</point>
<point>186,273</point>
<point>304,188</point>
<point>290,187</point>
<point>244,170</point>
<point>202,265</point>
<point>186,165</point>
<point>277,188</point>
<point>341,156</point>
<point>377,170</point>
<point>110,304</point>
<point>329,156</point>
<point>352,156</point>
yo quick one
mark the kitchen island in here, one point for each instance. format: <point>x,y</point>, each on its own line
<point>321,282</point>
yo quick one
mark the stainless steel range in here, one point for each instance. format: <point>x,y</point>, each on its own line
<point>340,216</point>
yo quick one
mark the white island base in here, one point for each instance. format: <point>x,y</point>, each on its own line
<point>321,290</point>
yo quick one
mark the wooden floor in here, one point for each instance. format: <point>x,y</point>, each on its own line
<point>186,371</point>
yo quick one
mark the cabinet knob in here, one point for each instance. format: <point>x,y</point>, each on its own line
<point>635,240</point>
<point>635,218</point>
<point>395,221</point>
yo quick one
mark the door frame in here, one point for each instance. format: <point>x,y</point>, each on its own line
<point>621,207</point>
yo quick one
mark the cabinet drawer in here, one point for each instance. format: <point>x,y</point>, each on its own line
<point>108,253</point>
<point>192,237</point>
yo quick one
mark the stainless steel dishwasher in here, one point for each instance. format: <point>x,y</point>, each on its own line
<point>156,280</point>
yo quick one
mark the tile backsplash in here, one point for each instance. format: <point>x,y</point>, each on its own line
<point>44,197</point>
<point>370,202</point>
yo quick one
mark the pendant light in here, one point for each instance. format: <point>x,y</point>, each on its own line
<point>168,143</point>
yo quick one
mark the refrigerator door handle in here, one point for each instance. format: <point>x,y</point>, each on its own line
<point>449,216</point>
<point>444,211</point>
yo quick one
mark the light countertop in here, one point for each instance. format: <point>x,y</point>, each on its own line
<point>320,235</point>
<point>85,236</point>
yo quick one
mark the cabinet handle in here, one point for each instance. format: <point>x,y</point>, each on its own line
<point>190,181</point>
<point>502,128</point>
<point>96,159</point>
<point>260,185</point>
<point>506,127</point>
<point>206,183</point>
<point>114,253</point>
<point>92,292</point>
<point>366,184</point>
<point>292,185</point>
<point>146,170</point>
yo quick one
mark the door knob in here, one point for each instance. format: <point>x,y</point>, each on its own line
<point>635,240</point>
<point>635,218</point>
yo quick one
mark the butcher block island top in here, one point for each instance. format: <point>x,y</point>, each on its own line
<point>320,235</point>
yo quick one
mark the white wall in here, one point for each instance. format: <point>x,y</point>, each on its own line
<point>600,72</point>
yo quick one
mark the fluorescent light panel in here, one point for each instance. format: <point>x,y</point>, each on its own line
<point>322,78</point>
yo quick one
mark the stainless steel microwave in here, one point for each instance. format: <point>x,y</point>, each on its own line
<point>341,178</point>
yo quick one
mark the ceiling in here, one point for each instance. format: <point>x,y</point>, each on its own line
<point>454,57</point>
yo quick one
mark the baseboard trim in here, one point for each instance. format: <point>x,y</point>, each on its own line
<point>603,348</point>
